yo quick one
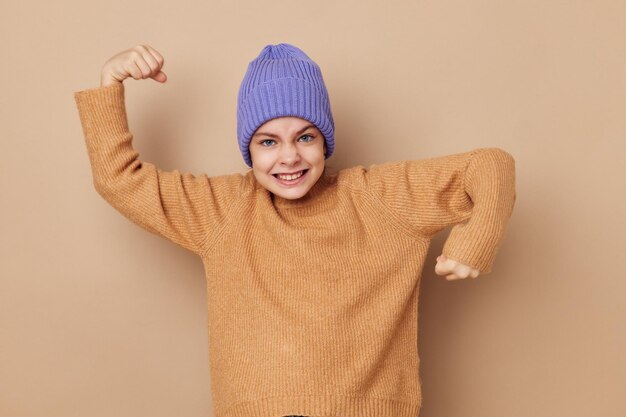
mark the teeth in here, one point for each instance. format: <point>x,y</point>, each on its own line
<point>290,177</point>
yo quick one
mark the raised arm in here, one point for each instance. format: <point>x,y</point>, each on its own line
<point>180,207</point>
<point>473,191</point>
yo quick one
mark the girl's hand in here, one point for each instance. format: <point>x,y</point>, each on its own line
<point>139,62</point>
<point>453,269</point>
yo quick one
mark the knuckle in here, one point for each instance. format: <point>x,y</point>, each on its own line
<point>464,271</point>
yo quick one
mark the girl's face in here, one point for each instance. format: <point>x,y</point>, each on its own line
<point>287,145</point>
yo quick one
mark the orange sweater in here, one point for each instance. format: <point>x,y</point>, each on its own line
<point>312,303</point>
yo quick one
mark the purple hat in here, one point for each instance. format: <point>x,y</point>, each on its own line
<point>282,81</point>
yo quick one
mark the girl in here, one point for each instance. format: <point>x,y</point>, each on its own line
<point>312,277</point>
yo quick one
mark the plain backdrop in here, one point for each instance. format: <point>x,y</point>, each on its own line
<point>101,318</point>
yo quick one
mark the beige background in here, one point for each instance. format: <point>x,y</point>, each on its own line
<point>100,318</point>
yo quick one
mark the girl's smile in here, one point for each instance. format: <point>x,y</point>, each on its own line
<point>291,179</point>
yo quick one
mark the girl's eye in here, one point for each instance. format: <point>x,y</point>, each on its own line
<point>265,143</point>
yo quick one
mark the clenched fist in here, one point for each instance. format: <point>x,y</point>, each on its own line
<point>453,269</point>
<point>139,62</point>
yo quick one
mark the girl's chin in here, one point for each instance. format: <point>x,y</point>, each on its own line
<point>292,194</point>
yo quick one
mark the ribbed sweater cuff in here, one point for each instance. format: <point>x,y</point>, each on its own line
<point>105,108</point>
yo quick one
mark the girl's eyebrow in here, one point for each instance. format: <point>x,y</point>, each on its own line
<point>276,136</point>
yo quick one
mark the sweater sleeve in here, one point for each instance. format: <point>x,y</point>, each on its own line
<point>181,207</point>
<point>472,191</point>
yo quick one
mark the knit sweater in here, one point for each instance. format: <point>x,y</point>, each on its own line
<point>312,303</point>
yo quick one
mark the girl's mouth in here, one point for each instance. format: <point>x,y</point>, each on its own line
<point>291,179</point>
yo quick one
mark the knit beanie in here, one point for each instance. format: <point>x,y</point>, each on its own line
<point>282,81</point>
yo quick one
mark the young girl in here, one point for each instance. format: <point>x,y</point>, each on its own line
<point>312,277</point>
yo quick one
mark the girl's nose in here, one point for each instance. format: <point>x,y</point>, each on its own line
<point>289,154</point>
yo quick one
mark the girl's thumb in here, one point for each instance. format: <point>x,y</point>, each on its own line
<point>160,77</point>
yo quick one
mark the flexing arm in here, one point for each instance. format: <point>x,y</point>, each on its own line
<point>489,182</point>
<point>181,207</point>
<point>473,191</point>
